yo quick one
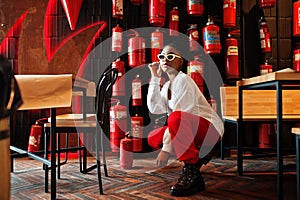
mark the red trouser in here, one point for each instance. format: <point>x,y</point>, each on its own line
<point>188,133</point>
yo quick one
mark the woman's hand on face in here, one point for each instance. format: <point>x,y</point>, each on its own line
<point>155,69</point>
<point>162,159</point>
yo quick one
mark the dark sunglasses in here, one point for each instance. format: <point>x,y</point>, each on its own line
<point>168,57</point>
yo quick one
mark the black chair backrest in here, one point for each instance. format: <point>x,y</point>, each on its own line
<point>103,92</point>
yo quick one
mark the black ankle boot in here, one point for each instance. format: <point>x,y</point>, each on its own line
<point>189,182</point>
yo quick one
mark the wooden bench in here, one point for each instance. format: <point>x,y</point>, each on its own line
<point>259,106</point>
<point>296,131</point>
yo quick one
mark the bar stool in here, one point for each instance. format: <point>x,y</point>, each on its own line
<point>296,131</point>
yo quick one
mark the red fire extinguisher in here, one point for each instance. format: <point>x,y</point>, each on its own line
<point>296,18</point>
<point>118,88</point>
<point>126,155</point>
<point>117,34</point>
<point>137,2</point>
<point>211,38</point>
<point>266,3</point>
<point>229,13</point>
<point>196,71</point>
<point>174,22</point>
<point>136,50</point>
<point>193,34</point>
<point>157,43</point>
<point>296,59</point>
<point>266,68</point>
<point>35,137</point>
<point>264,35</point>
<point>267,135</point>
<point>118,125</point>
<point>157,12</point>
<point>231,58</point>
<point>137,123</point>
<point>195,8</point>
<point>117,9</point>
<point>137,91</point>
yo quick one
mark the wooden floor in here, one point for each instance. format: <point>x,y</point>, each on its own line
<point>145,181</point>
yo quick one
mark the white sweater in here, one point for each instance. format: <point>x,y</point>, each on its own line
<point>186,97</point>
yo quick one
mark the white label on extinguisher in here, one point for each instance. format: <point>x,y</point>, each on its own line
<point>119,7</point>
<point>112,126</point>
<point>232,51</point>
<point>261,33</point>
<point>136,90</point>
<point>263,44</point>
<point>117,38</point>
<point>297,57</point>
<point>196,68</point>
<point>175,18</point>
<point>211,37</point>
<point>264,71</point>
<point>136,129</point>
<point>155,42</point>
<point>118,114</point>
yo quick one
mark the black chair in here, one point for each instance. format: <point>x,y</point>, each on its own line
<point>103,94</point>
<point>102,103</point>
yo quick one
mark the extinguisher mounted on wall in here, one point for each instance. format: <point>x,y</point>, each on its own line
<point>264,35</point>
<point>118,89</point>
<point>136,50</point>
<point>157,12</point>
<point>229,13</point>
<point>195,8</point>
<point>157,43</point>
<point>232,56</point>
<point>117,9</point>
<point>211,37</point>
<point>117,38</point>
<point>118,124</point>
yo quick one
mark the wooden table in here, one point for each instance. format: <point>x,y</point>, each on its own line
<point>274,81</point>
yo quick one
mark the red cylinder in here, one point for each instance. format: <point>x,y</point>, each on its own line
<point>264,35</point>
<point>117,9</point>
<point>126,157</point>
<point>137,91</point>
<point>296,60</point>
<point>231,58</point>
<point>195,8</point>
<point>193,34</point>
<point>266,3</point>
<point>117,34</point>
<point>137,2</point>
<point>118,125</point>
<point>157,43</point>
<point>157,12</point>
<point>267,135</point>
<point>296,18</point>
<point>118,88</point>
<point>229,13</point>
<point>265,68</point>
<point>196,72</point>
<point>137,123</point>
<point>211,38</point>
<point>174,22</point>
<point>35,138</point>
<point>136,51</point>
